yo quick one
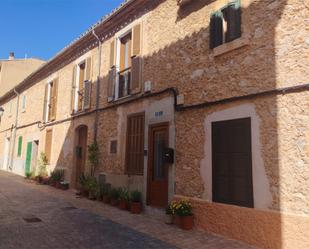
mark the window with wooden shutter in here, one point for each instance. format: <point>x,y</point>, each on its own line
<point>112,53</point>
<point>73,90</point>
<point>125,62</point>
<point>136,48</point>
<point>81,79</point>
<point>53,99</point>
<point>46,99</point>
<point>232,162</point>
<point>87,85</point>
<point>232,15</point>
<point>87,95</point>
<point>216,30</point>
<point>135,144</point>
<point>20,144</point>
<point>48,144</point>
<point>225,24</point>
<point>135,85</point>
<point>111,84</point>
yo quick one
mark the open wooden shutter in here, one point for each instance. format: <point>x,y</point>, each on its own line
<point>53,99</point>
<point>136,75</point>
<point>112,53</point>
<point>45,103</point>
<point>87,95</point>
<point>233,18</point>
<point>136,47</point>
<point>216,30</point>
<point>87,85</point>
<point>111,84</point>
<point>48,144</point>
<point>88,69</point>
<point>73,90</point>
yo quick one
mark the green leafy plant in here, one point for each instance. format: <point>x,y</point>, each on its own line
<point>136,196</point>
<point>57,175</point>
<point>93,156</point>
<point>123,194</point>
<point>42,165</point>
<point>183,208</point>
<point>115,193</point>
<point>170,210</point>
<point>92,185</point>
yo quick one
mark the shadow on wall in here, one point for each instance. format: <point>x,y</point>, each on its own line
<point>246,70</point>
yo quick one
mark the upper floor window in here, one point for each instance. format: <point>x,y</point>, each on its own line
<point>125,62</point>
<point>81,86</point>
<point>23,103</point>
<point>50,102</point>
<point>225,24</point>
<point>125,65</point>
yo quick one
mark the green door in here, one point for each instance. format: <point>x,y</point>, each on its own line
<point>28,157</point>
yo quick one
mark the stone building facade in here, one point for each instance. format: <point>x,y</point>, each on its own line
<point>219,84</point>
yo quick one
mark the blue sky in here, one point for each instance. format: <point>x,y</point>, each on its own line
<point>41,28</point>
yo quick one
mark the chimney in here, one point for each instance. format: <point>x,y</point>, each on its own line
<point>11,56</point>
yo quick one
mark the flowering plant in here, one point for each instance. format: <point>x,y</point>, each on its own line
<point>183,208</point>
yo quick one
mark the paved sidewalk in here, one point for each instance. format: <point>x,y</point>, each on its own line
<point>70,222</point>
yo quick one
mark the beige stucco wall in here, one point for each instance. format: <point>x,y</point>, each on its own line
<point>14,71</point>
<point>273,54</point>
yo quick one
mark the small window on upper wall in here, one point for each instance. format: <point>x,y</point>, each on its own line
<point>23,105</point>
<point>225,25</point>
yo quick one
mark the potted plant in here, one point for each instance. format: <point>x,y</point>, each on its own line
<point>123,198</point>
<point>93,157</point>
<point>83,181</point>
<point>64,185</point>
<point>42,169</point>
<point>184,211</point>
<point>136,202</point>
<point>106,193</point>
<point>114,194</point>
<point>92,186</point>
<point>169,211</point>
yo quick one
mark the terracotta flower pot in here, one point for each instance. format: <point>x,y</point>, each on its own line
<point>106,199</point>
<point>187,222</point>
<point>136,207</point>
<point>176,220</point>
<point>123,204</point>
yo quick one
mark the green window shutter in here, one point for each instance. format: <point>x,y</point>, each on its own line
<point>216,30</point>
<point>233,18</point>
<point>20,144</point>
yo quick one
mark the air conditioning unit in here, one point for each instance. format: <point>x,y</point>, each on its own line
<point>183,2</point>
<point>147,86</point>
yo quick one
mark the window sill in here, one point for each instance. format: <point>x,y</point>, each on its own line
<point>230,46</point>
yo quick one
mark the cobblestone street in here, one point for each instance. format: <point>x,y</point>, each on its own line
<point>63,221</point>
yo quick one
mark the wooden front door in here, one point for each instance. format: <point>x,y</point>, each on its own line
<point>28,158</point>
<point>81,152</point>
<point>157,169</point>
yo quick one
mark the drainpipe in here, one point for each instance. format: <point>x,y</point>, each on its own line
<point>14,131</point>
<point>97,87</point>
